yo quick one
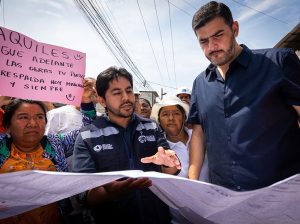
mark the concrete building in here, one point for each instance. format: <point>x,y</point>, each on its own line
<point>149,95</point>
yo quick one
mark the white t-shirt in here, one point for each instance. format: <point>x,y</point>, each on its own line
<point>182,151</point>
<point>63,119</point>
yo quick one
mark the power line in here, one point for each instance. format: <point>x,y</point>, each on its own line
<point>102,24</point>
<point>115,21</point>
<point>179,8</point>
<point>190,4</point>
<point>162,42</point>
<point>149,39</point>
<point>95,16</point>
<point>114,45</point>
<point>171,87</point>
<point>172,42</point>
<point>265,14</point>
<point>110,21</point>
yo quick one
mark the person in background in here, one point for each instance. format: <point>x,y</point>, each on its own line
<point>49,105</point>
<point>171,113</point>
<point>63,119</point>
<point>137,95</point>
<point>4,100</point>
<point>136,100</point>
<point>120,140</point>
<point>244,107</point>
<point>67,118</point>
<point>25,147</point>
<point>144,109</point>
<point>184,94</point>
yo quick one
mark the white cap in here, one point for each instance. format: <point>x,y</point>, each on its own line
<point>183,89</point>
<point>168,101</point>
<point>136,91</point>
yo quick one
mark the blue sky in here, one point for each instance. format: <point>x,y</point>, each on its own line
<point>59,22</point>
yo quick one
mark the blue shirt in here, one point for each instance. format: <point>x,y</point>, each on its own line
<point>251,132</point>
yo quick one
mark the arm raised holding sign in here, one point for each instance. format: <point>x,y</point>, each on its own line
<point>89,93</point>
<point>4,100</point>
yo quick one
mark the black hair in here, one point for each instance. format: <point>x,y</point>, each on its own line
<point>211,11</point>
<point>11,108</point>
<point>111,73</point>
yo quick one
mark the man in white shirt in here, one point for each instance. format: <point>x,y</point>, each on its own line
<point>63,119</point>
<point>67,118</point>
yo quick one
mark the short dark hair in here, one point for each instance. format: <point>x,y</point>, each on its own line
<point>109,74</point>
<point>11,108</point>
<point>210,11</point>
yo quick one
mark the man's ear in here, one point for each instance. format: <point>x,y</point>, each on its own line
<point>235,28</point>
<point>102,101</point>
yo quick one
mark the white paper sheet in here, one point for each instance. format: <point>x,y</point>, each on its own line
<point>197,201</point>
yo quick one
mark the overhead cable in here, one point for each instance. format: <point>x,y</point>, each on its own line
<point>190,4</point>
<point>155,83</point>
<point>179,8</point>
<point>137,1</point>
<point>172,43</point>
<point>96,17</point>
<point>279,20</point>
<point>162,42</point>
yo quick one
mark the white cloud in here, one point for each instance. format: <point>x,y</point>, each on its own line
<point>257,7</point>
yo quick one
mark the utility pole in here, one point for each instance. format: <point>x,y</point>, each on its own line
<point>162,93</point>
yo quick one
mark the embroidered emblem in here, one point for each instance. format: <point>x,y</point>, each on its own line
<point>142,139</point>
<point>98,148</point>
<point>149,138</point>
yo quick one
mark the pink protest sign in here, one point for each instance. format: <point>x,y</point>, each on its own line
<point>39,71</point>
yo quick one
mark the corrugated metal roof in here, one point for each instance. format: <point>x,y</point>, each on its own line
<point>291,40</point>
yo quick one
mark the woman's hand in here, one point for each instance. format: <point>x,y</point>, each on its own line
<point>89,91</point>
<point>4,100</point>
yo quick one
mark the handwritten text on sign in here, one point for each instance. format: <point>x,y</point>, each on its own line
<point>34,70</point>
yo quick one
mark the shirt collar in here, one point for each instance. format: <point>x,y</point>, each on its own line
<point>242,59</point>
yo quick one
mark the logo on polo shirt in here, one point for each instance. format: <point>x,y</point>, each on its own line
<point>142,139</point>
<point>98,148</point>
<point>149,138</point>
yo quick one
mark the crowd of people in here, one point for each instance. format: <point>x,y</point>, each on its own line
<point>237,128</point>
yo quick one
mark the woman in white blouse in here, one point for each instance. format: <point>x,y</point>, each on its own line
<point>171,113</point>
